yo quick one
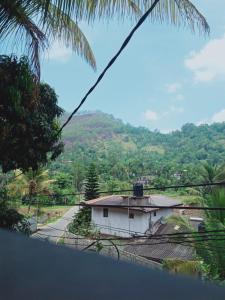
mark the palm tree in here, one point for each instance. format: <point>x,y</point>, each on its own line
<point>210,174</point>
<point>30,184</point>
<point>37,23</point>
<point>209,247</point>
<point>192,267</point>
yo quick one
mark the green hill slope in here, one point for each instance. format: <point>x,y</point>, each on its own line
<point>124,151</point>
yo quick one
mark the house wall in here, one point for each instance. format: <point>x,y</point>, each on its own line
<point>161,213</point>
<point>118,223</point>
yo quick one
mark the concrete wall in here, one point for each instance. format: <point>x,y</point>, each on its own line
<point>161,213</point>
<point>118,223</point>
<point>33,224</point>
<point>71,240</point>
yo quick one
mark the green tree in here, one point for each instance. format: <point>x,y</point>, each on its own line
<point>31,185</point>
<point>209,249</point>
<point>92,184</point>
<point>36,23</point>
<point>78,173</point>
<point>9,217</point>
<point>183,267</point>
<point>28,128</point>
<point>62,187</point>
<point>81,223</point>
<point>211,173</point>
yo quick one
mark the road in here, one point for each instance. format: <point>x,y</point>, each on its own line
<point>53,231</point>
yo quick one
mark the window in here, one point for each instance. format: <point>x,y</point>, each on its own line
<point>131,215</point>
<point>105,212</point>
<point>154,213</point>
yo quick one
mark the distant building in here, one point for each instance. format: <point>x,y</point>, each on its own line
<point>125,222</point>
<point>144,180</point>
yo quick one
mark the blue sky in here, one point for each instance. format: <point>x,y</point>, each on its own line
<point>165,78</point>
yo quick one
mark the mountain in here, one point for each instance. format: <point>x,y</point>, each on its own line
<point>121,150</point>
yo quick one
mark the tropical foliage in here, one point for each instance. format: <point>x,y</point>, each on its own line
<point>28,128</point>
<point>9,217</point>
<point>183,267</point>
<point>30,186</point>
<point>124,153</point>
<point>81,223</point>
<point>210,242</point>
<point>37,23</point>
<point>91,185</point>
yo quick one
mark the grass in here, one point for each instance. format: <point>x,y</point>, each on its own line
<point>52,213</point>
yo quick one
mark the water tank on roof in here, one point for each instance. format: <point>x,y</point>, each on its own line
<point>138,190</point>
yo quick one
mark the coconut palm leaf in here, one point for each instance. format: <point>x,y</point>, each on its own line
<point>60,27</point>
<point>16,20</point>
<point>34,22</point>
<point>181,221</point>
<point>178,12</point>
<point>182,266</point>
<point>90,10</point>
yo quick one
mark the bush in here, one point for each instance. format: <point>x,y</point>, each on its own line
<point>12,220</point>
<point>81,223</point>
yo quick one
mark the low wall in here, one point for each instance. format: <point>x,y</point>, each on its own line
<point>80,243</point>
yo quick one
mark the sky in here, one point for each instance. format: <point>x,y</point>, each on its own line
<point>166,77</point>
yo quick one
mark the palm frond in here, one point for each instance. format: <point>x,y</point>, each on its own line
<point>182,266</point>
<point>16,20</point>
<point>59,26</point>
<point>180,221</point>
<point>60,18</point>
<point>89,10</point>
<point>179,13</point>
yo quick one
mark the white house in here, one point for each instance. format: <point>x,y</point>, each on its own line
<point>108,217</point>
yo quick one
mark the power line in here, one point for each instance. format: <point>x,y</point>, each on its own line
<point>219,237</point>
<point>155,206</point>
<point>183,234</point>
<point>185,243</point>
<point>83,204</point>
<point>159,188</point>
<point>111,62</point>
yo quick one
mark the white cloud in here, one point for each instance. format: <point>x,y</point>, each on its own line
<point>151,115</point>
<point>59,52</point>
<point>173,87</point>
<point>179,97</point>
<point>218,117</point>
<point>176,109</point>
<point>202,122</point>
<point>173,109</point>
<point>209,62</point>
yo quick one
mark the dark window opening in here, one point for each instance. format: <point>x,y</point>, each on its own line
<point>154,213</point>
<point>131,215</point>
<point>105,212</point>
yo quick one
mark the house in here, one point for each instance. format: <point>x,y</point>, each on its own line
<point>109,218</point>
<point>161,249</point>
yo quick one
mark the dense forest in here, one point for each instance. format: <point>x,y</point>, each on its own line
<point>124,153</point>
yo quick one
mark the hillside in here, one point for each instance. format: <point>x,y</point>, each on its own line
<point>123,150</point>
